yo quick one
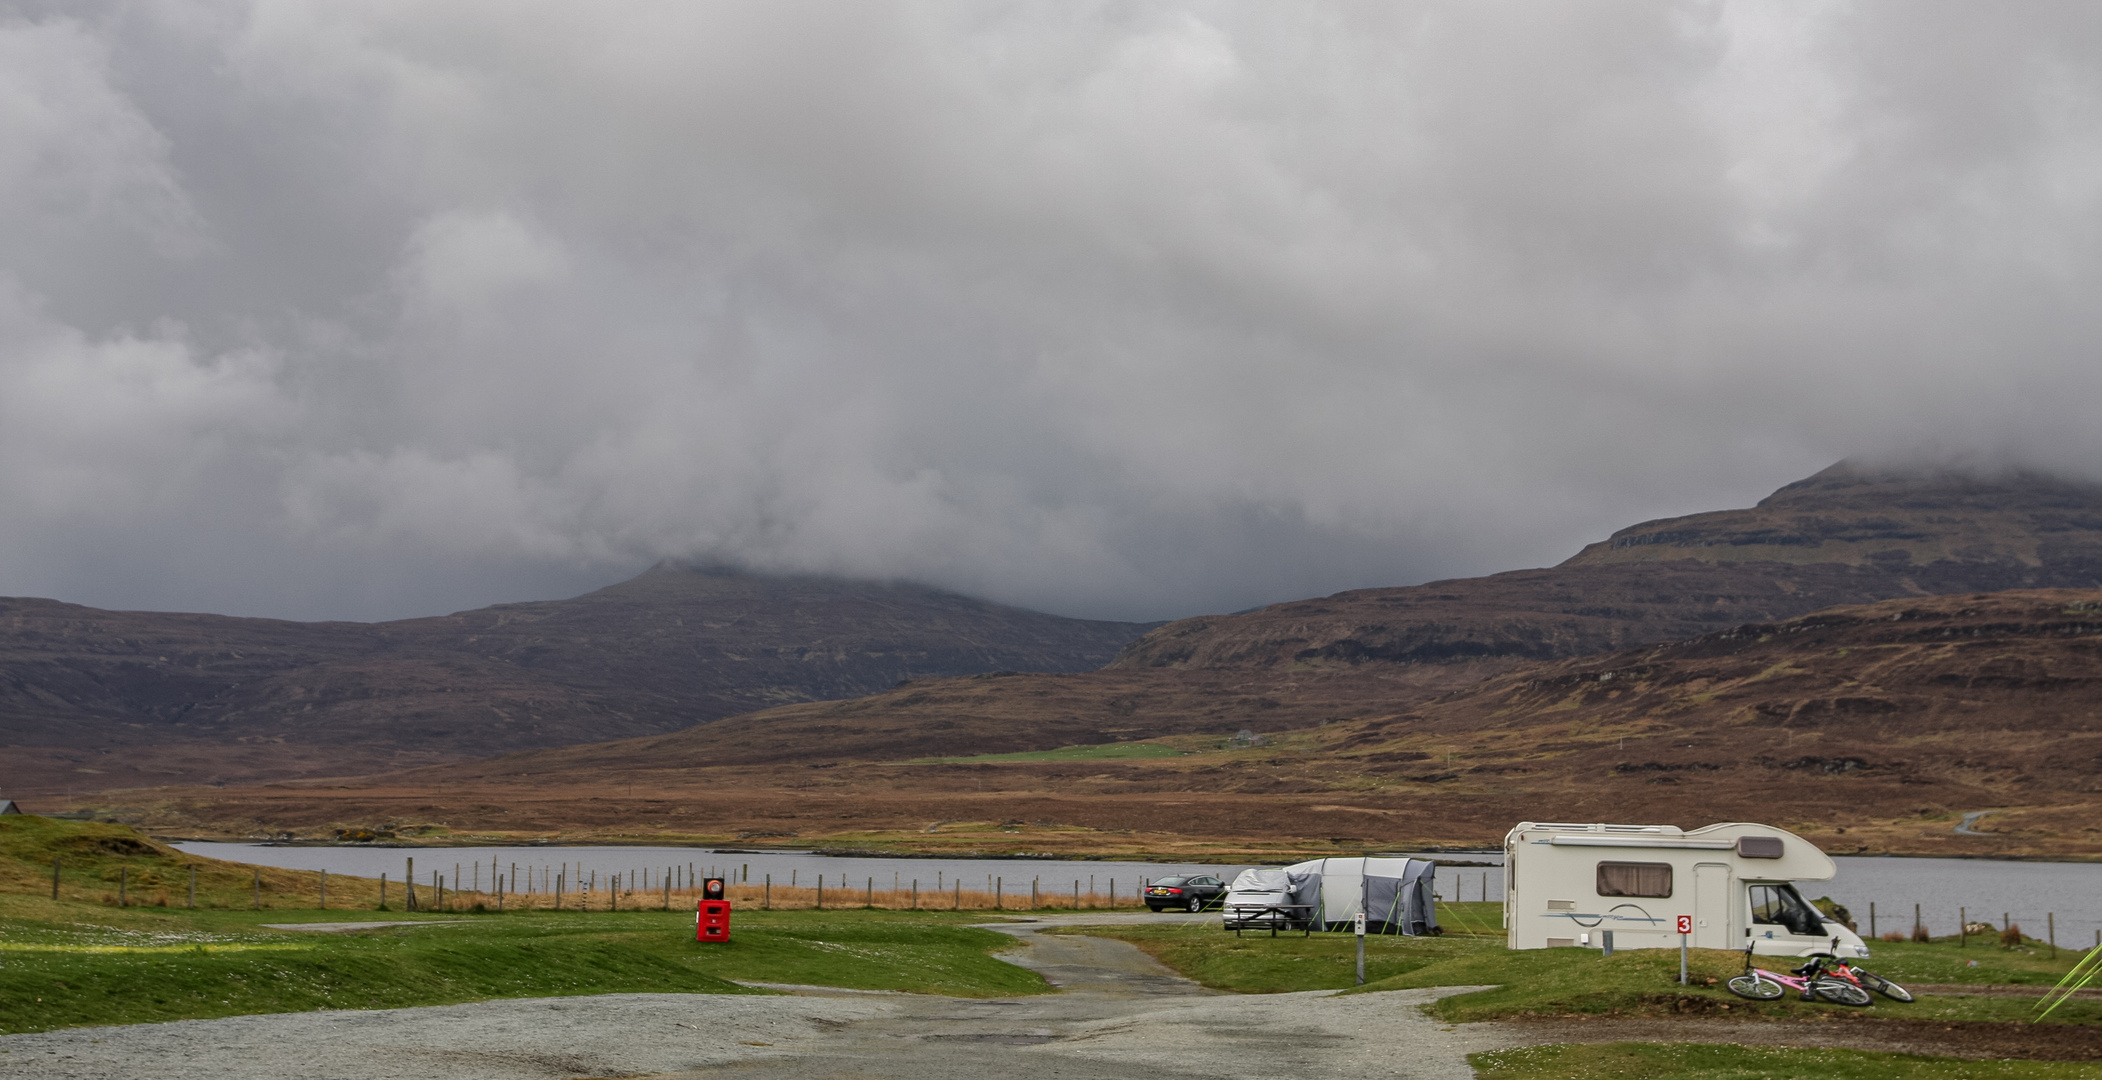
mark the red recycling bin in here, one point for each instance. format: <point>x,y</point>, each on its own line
<point>711,920</point>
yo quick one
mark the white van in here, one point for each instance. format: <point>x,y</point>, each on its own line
<point>1567,884</point>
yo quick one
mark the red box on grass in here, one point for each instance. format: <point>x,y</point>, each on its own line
<point>711,917</point>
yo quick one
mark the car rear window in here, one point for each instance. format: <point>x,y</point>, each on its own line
<point>1171,881</point>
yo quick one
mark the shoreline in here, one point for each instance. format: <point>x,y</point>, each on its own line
<point>978,854</point>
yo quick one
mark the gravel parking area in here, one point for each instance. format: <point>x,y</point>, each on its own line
<point>615,1035</point>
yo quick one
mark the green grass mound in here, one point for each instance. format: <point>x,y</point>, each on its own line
<point>106,864</point>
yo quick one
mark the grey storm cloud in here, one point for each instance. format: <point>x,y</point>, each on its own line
<point>341,309</point>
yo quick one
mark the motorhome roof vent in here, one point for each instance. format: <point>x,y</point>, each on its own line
<point>1759,847</point>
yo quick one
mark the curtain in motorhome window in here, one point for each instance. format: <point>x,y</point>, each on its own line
<point>1634,879</point>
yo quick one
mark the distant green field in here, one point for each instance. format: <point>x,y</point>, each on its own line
<point>1097,752</point>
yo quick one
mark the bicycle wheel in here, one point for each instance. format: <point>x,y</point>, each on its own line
<point>1840,992</point>
<point>1883,986</point>
<point>1756,987</point>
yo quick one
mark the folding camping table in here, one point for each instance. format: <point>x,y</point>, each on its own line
<point>1243,914</point>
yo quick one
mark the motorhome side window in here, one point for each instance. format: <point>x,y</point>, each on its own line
<point>1781,905</point>
<point>1634,879</point>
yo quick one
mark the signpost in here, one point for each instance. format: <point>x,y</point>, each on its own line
<point>1361,946</point>
<point>1685,928</point>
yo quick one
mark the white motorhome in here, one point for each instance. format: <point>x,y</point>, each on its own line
<point>1565,885</point>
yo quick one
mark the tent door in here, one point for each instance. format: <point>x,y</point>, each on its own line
<point>1712,899</point>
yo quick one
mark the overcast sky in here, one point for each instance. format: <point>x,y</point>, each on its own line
<point>1128,310</point>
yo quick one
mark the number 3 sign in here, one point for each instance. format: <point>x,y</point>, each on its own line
<point>1685,924</point>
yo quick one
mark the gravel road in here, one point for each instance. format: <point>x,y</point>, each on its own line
<point>1120,1014</point>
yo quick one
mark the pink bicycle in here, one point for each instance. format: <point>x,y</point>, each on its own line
<point>1811,979</point>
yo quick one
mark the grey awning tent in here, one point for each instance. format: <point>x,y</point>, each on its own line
<point>1396,894</point>
<point>7,806</point>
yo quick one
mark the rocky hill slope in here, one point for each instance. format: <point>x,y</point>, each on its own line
<point>1844,536</point>
<point>84,692</point>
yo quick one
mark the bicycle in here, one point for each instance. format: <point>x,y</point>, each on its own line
<point>1811,979</point>
<point>1864,978</point>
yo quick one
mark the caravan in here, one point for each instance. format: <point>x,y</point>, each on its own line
<point>1396,896</point>
<point>1568,885</point>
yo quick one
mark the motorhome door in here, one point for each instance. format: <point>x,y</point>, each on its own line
<point>1712,901</point>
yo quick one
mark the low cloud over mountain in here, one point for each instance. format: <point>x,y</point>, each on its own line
<point>361,310</point>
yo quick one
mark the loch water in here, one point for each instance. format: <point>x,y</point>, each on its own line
<point>1988,890</point>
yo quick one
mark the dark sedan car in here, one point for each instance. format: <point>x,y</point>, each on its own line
<point>1193,893</point>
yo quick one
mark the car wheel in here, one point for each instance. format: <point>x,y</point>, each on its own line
<point>1196,904</point>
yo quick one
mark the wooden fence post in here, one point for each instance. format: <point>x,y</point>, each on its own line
<point>767,903</point>
<point>2051,925</point>
<point>383,889</point>
<point>999,891</point>
<point>869,901</point>
<point>821,892</point>
<point>408,880</point>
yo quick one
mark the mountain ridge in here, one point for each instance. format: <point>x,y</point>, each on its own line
<point>86,689</point>
<point>1846,535</point>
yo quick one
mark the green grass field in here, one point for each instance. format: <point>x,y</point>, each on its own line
<point>1696,1061</point>
<point>1099,752</point>
<point>83,959</point>
<point>63,966</point>
<point>1555,982</point>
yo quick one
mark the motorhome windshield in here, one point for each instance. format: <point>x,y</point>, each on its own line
<point>1781,905</point>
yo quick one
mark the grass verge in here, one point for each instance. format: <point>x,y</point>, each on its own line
<point>1700,1061</point>
<point>1563,982</point>
<point>95,966</point>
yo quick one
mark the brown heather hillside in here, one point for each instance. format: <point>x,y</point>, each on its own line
<point>1870,728</point>
<point>99,699</point>
<point>1844,536</point>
